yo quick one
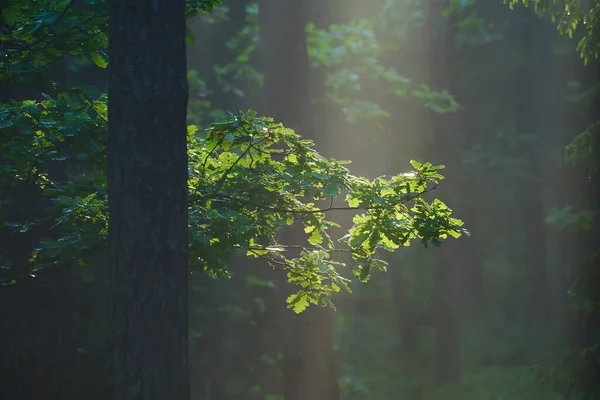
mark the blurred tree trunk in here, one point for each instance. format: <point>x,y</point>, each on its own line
<point>583,268</point>
<point>466,186</point>
<point>460,134</point>
<point>442,150</point>
<point>405,318</point>
<point>147,192</point>
<point>307,343</point>
<point>531,96</point>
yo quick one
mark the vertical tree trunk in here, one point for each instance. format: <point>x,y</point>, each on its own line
<point>465,185</point>
<point>147,188</point>
<point>405,318</point>
<point>584,273</point>
<point>447,332</point>
<point>307,343</point>
<point>530,90</point>
<point>440,151</point>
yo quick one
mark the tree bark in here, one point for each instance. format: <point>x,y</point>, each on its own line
<point>307,339</point>
<point>147,189</point>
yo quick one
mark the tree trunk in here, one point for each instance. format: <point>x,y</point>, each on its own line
<point>447,333</point>
<point>447,336</point>
<point>147,188</point>
<point>530,90</point>
<point>405,318</point>
<point>307,343</point>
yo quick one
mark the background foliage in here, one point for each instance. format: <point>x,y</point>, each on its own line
<point>515,164</point>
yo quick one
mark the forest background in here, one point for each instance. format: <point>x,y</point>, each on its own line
<point>498,96</point>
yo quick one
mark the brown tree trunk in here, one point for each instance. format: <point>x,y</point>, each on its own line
<point>307,343</point>
<point>147,189</point>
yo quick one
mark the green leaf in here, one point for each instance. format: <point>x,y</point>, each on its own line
<point>11,14</point>
<point>298,302</point>
<point>416,165</point>
<point>189,35</point>
<point>353,202</point>
<point>315,238</point>
<point>359,240</point>
<point>331,190</point>
<point>98,60</point>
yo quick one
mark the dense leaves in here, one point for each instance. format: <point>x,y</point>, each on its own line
<point>249,177</point>
<point>251,180</point>
<point>39,33</point>
<point>571,18</point>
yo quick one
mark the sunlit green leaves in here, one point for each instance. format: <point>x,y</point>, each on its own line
<point>317,277</point>
<point>572,17</point>
<point>584,146</point>
<point>265,175</point>
<point>248,178</point>
<point>351,55</point>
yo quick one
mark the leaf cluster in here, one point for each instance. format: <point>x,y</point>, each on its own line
<point>249,177</point>
<point>351,55</point>
<point>38,33</point>
<point>571,17</point>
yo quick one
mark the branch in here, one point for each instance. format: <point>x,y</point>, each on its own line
<point>221,180</point>
<point>314,211</point>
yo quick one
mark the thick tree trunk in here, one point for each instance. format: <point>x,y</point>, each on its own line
<point>307,343</point>
<point>147,188</point>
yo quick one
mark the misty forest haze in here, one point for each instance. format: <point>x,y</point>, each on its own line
<point>164,241</point>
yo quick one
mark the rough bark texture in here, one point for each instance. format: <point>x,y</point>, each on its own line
<point>308,361</point>
<point>147,187</point>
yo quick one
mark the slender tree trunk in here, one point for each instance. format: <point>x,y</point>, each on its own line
<point>530,89</point>
<point>585,268</point>
<point>147,188</point>
<point>405,318</point>
<point>447,336</point>
<point>465,184</point>
<point>307,343</point>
